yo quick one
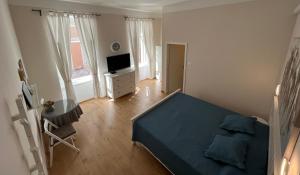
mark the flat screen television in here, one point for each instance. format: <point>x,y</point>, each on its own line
<point>118,62</point>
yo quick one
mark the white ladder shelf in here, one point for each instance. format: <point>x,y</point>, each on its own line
<point>23,118</point>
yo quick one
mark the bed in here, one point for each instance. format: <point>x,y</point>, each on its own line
<point>179,129</point>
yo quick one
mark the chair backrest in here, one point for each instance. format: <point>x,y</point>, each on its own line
<point>47,123</point>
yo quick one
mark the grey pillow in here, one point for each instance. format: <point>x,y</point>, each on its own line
<point>230,150</point>
<point>239,123</point>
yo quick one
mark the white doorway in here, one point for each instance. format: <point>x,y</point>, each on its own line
<point>158,53</point>
<point>176,63</point>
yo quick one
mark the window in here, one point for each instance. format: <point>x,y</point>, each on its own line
<point>79,61</point>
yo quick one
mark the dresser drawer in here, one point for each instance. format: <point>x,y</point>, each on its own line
<point>123,79</point>
<point>123,85</point>
<point>120,84</point>
<point>124,89</point>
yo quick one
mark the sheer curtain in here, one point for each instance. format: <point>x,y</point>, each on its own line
<point>59,24</point>
<point>147,33</point>
<point>133,31</point>
<point>140,35</point>
<point>87,27</point>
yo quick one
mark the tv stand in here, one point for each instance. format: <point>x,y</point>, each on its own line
<point>120,83</point>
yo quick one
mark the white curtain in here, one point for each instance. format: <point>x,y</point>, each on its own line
<point>133,31</point>
<point>147,32</point>
<point>140,34</point>
<point>86,25</point>
<point>59,24</point>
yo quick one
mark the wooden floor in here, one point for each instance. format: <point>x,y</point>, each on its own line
<point>104,138</point>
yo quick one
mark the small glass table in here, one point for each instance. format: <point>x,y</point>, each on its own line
<point>65,112</point>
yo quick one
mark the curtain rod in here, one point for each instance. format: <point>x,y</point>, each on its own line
<point>135,17</point>
<point>70,12</point>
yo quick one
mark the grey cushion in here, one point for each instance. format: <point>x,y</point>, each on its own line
<point>230,150</point>
<point>239,123</point>
<point>64,131</point>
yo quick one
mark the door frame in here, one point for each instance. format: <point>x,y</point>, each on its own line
<point>185,44</point>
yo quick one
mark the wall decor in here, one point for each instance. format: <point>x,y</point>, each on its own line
<point>115,46</point>
<point>289,94</point>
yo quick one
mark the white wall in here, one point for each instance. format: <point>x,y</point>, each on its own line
<point>112,28</point>
<point>157,30</point>
<point>11,161</point>
<point>38,58</point>
<point>235,52</point>
<point>35,47</point>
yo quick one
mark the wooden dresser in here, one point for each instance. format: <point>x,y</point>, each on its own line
<point>120,83</point>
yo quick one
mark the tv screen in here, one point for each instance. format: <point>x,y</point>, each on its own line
<point>118,62</point>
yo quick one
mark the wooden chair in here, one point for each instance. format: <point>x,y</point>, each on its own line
<point>58,135</point>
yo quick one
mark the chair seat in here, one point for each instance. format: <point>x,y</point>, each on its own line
<point>64,131</point>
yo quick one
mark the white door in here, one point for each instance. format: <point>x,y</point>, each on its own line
<point>176,57</point>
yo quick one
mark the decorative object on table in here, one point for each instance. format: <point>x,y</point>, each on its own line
<point>48,105</point>
<point>115,46</point>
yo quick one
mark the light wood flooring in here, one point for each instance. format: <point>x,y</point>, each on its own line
<point>104,138</point>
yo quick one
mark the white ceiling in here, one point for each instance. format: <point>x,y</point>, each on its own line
<point>127,7</point>
<point>139,5</point>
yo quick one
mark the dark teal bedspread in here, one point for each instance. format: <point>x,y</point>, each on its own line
<point>180,129</point>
